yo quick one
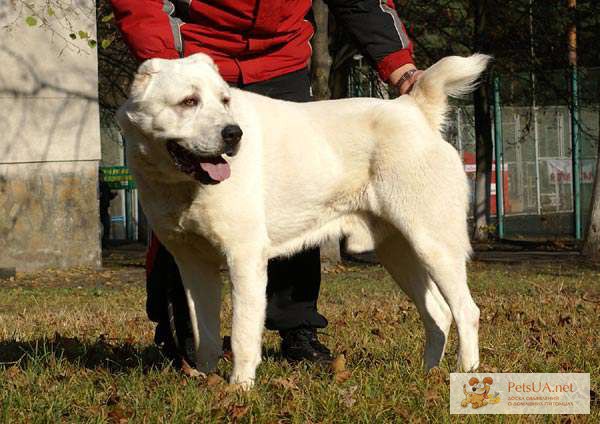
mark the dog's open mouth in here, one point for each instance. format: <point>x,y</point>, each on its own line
<point>207,170</point>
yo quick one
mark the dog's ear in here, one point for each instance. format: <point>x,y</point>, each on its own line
<point>144,75</point>
<point>203,58</point>
<point>473,381</point>
<point>127,115</point>
<point>488,380</point>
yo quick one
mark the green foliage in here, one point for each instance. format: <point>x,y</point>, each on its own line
<point>106,43</point>
<point>83,34</point>
<point>31,21</point>
<point>92,43</point>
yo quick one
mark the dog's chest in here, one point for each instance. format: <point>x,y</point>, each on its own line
<point>176,211</point>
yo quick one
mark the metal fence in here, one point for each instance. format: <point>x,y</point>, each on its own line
<point>537,177</point>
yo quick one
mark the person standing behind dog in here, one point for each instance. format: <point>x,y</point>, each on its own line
<point>262,46</point>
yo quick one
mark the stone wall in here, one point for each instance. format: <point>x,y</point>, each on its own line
<point>49,135</point>
<point>50,215</point>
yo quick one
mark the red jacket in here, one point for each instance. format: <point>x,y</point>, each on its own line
<point>255,40</point>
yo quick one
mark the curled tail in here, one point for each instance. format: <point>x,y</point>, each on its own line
<point>452,76</point>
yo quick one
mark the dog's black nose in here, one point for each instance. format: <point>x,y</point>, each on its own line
<point>232,135</point>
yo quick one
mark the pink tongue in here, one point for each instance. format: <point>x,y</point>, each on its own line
<point>217,171</point>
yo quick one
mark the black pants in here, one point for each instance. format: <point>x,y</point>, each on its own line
<point>293,283</point>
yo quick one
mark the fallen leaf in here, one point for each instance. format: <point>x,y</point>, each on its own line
<point>238,411</point>
<point>338,364</point>
<point>342,376</point>
<point>13,372</point>
<point>189,371</point>
<point>432,395</point>
<point>437,375</point>
<point>214,380</point>
<point>565,320</point>
<point>118,415</point>
<point>286,383</point>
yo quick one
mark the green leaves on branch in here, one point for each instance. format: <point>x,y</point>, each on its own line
<point>83,35</point>
<point>106,43</point>
<point>31,21</point>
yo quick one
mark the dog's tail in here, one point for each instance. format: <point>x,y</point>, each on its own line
<point>452,76</point>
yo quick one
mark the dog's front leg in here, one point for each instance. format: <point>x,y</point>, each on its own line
<point>202,284</point>
<point>248,273</point>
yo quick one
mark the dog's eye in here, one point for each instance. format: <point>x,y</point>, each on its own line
<point>226,101</point>
<point>189,102</point>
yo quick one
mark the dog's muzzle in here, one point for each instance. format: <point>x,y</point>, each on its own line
<point>207,170</point>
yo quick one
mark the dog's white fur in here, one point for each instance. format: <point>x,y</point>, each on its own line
<point>376,171</point>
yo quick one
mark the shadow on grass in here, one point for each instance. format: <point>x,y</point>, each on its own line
<point>101,353</point>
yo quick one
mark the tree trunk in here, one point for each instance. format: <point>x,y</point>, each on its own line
<point>483,130</point>
<point>321,61</point>
<point>484,158</point>
<point>591,246</point>
<point>320,66</point>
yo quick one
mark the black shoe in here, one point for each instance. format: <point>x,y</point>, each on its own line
<point>301,344</point>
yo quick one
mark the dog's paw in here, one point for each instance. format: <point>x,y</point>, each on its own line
<point>241,383</point>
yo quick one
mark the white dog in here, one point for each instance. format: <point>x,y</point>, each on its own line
<point>376,171</point>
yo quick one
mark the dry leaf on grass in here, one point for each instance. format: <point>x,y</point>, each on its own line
<point>286,383</point>
<point>224,401</point>
<point>376,332</point>
<point>342,376</point>
<point>437,375</point>
<point>13,372</point>
<point>338,364</point>
<point>118,415</point>
<point>214,380</point>
<point>238,411</point>
<point>432,396</point>
<point>189,371</point>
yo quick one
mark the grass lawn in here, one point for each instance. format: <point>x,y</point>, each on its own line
<point>75,346</point>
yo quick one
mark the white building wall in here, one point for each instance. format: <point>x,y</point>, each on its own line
<point>49,135</point>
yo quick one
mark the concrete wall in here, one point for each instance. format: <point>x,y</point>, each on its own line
<point>49,136</point>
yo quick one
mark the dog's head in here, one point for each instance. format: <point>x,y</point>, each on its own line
<point>478,387</point>
<point>183,107</point>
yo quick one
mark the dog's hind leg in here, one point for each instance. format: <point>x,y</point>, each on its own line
<point>397,256</point>
<point>202,284</point>
<point>248,271</point>
<point>446,264</point>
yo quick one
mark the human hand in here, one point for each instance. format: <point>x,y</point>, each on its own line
<point>405,77</point>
